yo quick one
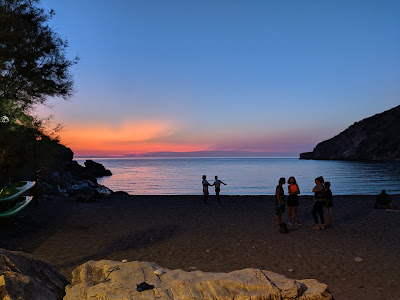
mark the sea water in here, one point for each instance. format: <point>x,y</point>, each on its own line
<point>246,176</point>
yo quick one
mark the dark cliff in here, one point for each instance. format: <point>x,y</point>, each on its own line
<point>374,138</point>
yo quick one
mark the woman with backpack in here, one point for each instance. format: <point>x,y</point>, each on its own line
<point>319,203</point>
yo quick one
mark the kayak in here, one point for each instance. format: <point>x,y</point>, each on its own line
<point>15,190</point>
<point>16,206</point>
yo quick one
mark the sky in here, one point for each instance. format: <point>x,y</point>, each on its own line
<point>260,76</point>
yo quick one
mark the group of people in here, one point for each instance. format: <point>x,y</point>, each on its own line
<point>322,197</point>
<point>206,184</point>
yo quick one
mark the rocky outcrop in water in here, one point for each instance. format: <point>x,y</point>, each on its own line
<point>375,138</point>
<point>114,280</point>
<point>96,169</point>
<point>25,277</point>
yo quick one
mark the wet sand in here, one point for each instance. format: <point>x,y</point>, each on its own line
<point>181,232</point>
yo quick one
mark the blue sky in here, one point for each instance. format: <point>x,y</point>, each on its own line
<point>262,76</point>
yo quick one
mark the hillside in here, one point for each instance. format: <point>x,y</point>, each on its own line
<point>372,139</point>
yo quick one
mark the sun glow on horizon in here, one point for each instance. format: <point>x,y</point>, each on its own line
<point>124,139</point>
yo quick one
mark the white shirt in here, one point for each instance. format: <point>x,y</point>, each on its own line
<point>217,183</point>
<point>205,185</point>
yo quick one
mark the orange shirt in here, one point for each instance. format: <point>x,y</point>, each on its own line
<point>293,187</point>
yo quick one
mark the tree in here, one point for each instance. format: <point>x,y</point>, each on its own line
<point>33,64</point>
<point>33,67</point>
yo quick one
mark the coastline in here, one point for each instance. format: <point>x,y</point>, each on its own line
<point>180,232</point>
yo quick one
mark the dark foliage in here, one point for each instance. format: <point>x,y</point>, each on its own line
<point>33,67</point>
<point>33,64</point>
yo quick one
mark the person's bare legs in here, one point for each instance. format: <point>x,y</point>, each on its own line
<point>278,219</point>
<point>205,198</point>
<point>328,224</point>
<point>290,214</point>
<point>295,214</point>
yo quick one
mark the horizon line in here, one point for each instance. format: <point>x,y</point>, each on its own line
<point>199,154</point>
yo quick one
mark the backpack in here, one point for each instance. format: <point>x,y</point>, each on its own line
<point>322,195</point>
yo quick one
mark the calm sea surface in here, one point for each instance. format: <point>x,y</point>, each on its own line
<point>245,176</point>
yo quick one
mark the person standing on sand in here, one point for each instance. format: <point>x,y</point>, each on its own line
<point>280,201</point>
<point>217,184</point>
<point>383,200</point>
<point>318,203</point>
<point>205,189</point>
<point>329,202</point>
<point>293,200</point>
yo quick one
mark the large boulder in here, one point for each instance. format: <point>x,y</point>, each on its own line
<point>25,277</point>
<point>66,177</point>
<point>78,172</point>
<point>48,189</point>
<point>96,169</point>
<point>108,280</point>
<point>54,178</point>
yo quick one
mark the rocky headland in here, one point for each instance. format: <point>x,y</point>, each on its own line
<point>375,138</point>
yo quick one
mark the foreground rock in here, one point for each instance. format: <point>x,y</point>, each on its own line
<point>108,280</point>
<point>374,138</point>
<point>25,277</point>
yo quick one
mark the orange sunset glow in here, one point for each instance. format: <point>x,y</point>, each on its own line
<point>127,138</point>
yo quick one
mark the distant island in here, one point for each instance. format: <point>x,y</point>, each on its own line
<point>376,138</point>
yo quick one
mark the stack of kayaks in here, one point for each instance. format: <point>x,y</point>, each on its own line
<point>12,199</point>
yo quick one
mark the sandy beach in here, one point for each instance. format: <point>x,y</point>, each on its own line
<point>180,232</point>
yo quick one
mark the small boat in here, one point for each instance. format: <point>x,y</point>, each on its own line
<point>11,208</point>
<point>11,199</point>
<point>15,190</point>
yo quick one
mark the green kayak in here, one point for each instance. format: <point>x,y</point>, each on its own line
<point>15,190</point>
<point>12,208</point>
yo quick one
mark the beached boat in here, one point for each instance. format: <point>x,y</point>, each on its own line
<point>12,200</point>
<point>13,191</point>
<point>13,207</point>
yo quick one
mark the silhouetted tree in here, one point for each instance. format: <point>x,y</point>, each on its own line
<point>33,67</point>
<point>33,64</point>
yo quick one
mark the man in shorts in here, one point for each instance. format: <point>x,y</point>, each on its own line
<point>217,184</point>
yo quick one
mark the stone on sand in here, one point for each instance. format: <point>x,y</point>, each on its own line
<point>88,282</point>
<point>25,277</point>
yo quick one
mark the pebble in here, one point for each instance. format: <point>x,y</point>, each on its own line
<point>124,260</point>
<point>291,270</point>
<point>358,259</point>
<point>159,272</point>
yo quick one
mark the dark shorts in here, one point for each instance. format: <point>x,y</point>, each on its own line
<point>217,190</point>
<point>293,200</point>
<point>279,210</point>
